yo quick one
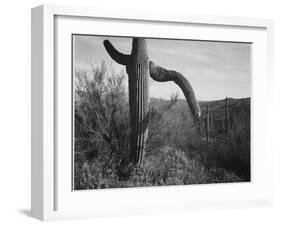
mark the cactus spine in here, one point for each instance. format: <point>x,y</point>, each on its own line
<point>137,67</point>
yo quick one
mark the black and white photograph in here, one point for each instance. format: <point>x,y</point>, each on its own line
<point>159,112</point>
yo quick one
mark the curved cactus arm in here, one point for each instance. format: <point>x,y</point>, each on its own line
<point>160,74</point>
<point>120,58</point>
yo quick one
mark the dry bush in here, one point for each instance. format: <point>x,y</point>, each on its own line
<point>101,124</point>
<point>175,154</point>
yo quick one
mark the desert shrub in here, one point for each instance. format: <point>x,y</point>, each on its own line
<point>231,153</point>
<point>169,167</point>
<point>175,153</point>
<point>157,122</point>
<point>172,124</point>
<point>101,119</point>
<point>228,159</point>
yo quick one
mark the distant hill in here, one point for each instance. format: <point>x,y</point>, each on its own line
<point>234,104</point>
<point>241,104</point>
<point>214,105</point>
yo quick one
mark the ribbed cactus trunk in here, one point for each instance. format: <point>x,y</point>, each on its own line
<point>138,70</point>
<point>137,66</point>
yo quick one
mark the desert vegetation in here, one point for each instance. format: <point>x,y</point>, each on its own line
<point>179,150</point>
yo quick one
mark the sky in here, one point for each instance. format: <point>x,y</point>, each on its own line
<point>214,69</point>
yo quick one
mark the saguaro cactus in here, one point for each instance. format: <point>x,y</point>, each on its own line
<point>139,68</point>
<point>208,124</point>
<point>226,118</point>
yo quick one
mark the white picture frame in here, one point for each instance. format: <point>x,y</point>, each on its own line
<point>52,197</point>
